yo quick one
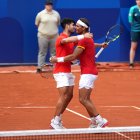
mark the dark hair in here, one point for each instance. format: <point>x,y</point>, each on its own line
<point>49,2</point>
<point>86,22</point>
<point>66,21</point>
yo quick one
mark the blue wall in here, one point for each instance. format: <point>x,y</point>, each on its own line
<point>18,34</point>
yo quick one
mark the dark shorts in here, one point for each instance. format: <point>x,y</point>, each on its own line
<point>135,36</point>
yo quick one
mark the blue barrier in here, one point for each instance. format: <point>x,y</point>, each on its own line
<point>18,33</point>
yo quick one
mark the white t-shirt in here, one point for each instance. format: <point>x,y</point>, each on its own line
<point>47,22</point>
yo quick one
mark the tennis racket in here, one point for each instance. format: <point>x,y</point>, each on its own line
<point>112,35</point>
<point>47,71</point>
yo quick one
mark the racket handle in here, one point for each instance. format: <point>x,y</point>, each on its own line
<point>99,52</point>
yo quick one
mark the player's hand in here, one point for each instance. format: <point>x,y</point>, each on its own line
<point>104,45</point>
<point>74,62</point>
<point>53,59</point>
<point>88,35</point>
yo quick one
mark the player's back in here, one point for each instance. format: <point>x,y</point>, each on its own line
<point>87,58</point>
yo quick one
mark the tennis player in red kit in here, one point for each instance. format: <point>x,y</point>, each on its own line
<point>62,71</point>
<point>85,51</point>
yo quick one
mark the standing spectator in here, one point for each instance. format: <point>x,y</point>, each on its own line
<point>134,20</point>
<point>47,22</point>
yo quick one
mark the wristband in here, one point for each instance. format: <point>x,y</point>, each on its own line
<point>50,58</point>
<point>60,59</point>
<point>80,37</point>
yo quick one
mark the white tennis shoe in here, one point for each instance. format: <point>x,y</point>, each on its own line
<point>56,125</point>
<point>93,124</point>
<point>99,124</point>
<point>102,123</point>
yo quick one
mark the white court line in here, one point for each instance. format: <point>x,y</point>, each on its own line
<point>136,107</point>
<point>17,71</point>
<point>116,106</point>
<point>124,136</point>
<point>74,112</point>
<point>71,110</point>
<point>43,107</point>
<point>24,71</point>
<point>54,107</point>
<point>28,107</point>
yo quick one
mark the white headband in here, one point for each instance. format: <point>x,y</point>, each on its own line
<point>82,23</point>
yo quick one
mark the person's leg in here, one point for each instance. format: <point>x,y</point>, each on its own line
<point>43,48</point>
<point>65,96</point>
<point>85,88</point>
<point>135,36</point>
<point>132,53</point>
<point>96,119</point>
<point>65,84</point>
<point>63,101</point>
<point>52,46</point>
<point>84,98</point>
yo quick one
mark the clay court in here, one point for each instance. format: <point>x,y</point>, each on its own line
<point>27,101</point>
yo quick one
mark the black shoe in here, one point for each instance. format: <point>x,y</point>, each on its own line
<point>131,65</point>
<point>38,70</point>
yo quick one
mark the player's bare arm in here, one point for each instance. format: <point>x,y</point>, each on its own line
<point>74,55</point>
<point>71,57</point>
<point>103,45</point>
<point>76,38</point>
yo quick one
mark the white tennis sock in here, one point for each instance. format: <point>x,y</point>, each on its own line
<point>57,118</point>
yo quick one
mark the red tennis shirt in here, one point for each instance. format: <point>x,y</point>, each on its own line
<point>61,51</point>
<point>87,58</point>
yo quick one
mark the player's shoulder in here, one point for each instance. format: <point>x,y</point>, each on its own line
<point>87,40</point>
<point>133,7</point>
<point>55,12</point>
<point>62,36</point>
<point>59,38</point>
<point>41,12</point>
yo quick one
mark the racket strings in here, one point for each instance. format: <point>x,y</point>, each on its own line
<point>114,32</point>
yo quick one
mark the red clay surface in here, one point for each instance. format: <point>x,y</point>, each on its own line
<point>27,101</point>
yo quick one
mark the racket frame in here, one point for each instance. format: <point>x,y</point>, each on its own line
<point>108,42</point>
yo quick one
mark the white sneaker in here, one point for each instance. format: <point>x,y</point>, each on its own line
<point>102,123</point>
<point>56,125</point>
<point>93,124</point>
